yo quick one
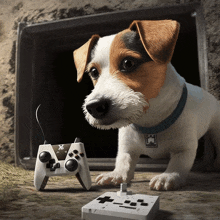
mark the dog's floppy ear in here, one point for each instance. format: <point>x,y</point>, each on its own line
<point>158,37</point>
<point>82,56</point>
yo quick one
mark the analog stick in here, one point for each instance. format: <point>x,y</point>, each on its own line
<point>44,156</point>
<point>71,165</point>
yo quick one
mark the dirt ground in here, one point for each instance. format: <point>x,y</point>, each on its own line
<point>63,197</point>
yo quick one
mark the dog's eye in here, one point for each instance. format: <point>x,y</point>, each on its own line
<point>128,64</point>
<point>94,73</point>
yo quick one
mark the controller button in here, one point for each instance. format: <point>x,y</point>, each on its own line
<point>105,199</point>
<point>140,200</point>
<point>75,151</point>
<point>52,161</point>
<point>133,203</point>
<point>127,201</point>
<point>117,203</point>
<point>71,165</point>
<point>82,154</point>
<point>53,168</point>
<point>57,165</point>
<point>144,204</point>
<point>50,165</point>
<point>44,156</point>
<point>70,154</point>
<point>77,157</point>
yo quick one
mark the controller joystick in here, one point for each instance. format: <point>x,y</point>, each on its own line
<point>71,165</point>
<point>44,156</point>
<point>62,159</point>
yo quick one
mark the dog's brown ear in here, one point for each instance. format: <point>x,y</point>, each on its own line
<point>158,38</point>
<point>82,56</point>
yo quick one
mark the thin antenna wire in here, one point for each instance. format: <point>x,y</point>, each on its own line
<point>39,123</point>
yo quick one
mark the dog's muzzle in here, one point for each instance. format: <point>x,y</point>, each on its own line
<point>98,108</point>
<point>113,105</point>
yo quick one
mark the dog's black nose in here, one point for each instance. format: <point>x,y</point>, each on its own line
<point>98,108</point>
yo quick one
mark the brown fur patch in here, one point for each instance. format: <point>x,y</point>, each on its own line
<point>145,108</point>
<point>158,38</point>
<point>82,56</point>
<point>148,78</point>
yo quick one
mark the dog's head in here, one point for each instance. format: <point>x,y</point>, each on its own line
<point>127,70</point>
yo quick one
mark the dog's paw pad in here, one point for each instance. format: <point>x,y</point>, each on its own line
<point>166,181</point>
<point>111,178</point>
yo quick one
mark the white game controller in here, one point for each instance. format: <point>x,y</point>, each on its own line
<point>121,205</point>
<point>62,159</point>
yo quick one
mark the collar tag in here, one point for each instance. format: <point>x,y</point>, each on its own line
<point>151,140</point>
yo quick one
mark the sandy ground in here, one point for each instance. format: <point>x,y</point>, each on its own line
<point>63,197</point>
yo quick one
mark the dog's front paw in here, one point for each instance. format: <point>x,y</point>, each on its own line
<point>111,178</point>
<point>166,181</point>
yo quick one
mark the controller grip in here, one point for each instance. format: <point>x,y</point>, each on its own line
<point>40,177</point>
<point>86,183</point>
<point>83,175</point>
<point>40,182</point>
<point>44,183</point>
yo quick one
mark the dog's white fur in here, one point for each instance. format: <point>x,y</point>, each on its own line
<point>179,142</point>
<point>128,105</point>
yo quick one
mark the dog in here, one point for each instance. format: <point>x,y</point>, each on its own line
<point>138,91</point>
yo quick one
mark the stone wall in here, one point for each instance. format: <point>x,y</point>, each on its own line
<point>12,12</point>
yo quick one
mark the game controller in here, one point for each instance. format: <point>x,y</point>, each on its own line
<point>121,205</point>
<point>62,159</point>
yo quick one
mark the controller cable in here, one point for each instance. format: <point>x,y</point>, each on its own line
<point>45,142</point>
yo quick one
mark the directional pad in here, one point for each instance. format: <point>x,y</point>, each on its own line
<point>55,166</point>
<point>52,165</point>
<point>105,199</point>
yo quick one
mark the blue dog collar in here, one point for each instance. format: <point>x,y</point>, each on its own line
<point>166,123</point>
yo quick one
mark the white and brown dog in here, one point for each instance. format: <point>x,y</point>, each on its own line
<point>137,90</point>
